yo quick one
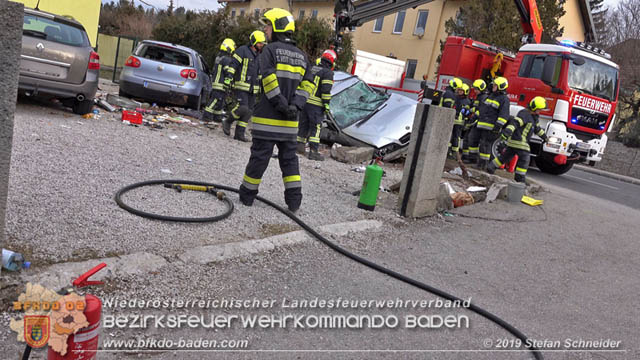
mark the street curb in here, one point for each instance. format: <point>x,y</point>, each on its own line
<point>216,253</point>
<point>627,179</point>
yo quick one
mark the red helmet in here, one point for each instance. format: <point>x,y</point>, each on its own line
<point>330,55</point>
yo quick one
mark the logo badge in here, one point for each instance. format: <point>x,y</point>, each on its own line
<point>36,330</point>
<point>40,47</point>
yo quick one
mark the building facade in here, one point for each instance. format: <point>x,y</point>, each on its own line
<point>413,35</point>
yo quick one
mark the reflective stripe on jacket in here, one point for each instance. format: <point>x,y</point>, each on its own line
<point>448,99</point>
<point>246,68</point>
<point>223,71</point>
<point>323,81</point>
<point>520,129</point>
<point>494,112</point>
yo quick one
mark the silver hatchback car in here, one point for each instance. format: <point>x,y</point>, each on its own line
<point>163,72</point>
<point>57,60</point>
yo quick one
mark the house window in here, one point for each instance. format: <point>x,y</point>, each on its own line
<point>397,27</point>
<point>421,24</point>
<point>256,13</point>
<point>233,13</point>
<point>241,12</point>
<point>314,14</point>
<point>411,68</point>
<point>300,14</point>
<point>377,27</point>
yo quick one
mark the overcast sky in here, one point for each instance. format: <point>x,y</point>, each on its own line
<point>187,4</point>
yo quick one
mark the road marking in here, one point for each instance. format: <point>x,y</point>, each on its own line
<point>593,182</point>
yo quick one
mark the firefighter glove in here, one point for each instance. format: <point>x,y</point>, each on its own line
<point>326,108</point>
<point>292,112</point>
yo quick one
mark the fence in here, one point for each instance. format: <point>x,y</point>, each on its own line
<point>114,51</point>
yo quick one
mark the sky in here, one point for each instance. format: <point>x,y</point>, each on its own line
<point>187,4</point>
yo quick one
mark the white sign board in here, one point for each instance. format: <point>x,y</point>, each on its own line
<point>379,70</point>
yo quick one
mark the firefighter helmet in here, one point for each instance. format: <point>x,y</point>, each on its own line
<point>466,89</point>
<point>501,83</point>
<point>257,37</point>
<point>480,84</point>
<point>330,55</point>
<point>537,103</point>
<point>455,83</point>
<point>228,45</point>
<point>280,20</point>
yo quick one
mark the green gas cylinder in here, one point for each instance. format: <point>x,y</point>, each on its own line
<point>370,187</point>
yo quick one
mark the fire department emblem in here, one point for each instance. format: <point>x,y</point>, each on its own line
<point>36,330</point>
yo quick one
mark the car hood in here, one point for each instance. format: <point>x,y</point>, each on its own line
<point>389,125</point>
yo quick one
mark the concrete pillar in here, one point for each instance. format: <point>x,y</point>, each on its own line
<point>427,154</point>
<point>11,15</point>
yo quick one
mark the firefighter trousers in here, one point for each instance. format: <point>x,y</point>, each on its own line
<point>216,106</point>
<point>310,125</point>
<point>261,151</point>
<point>456,136</point>
<point>521,166</point>
<point>241,111</point>
<point>487,138</point>
<point>472,143</point>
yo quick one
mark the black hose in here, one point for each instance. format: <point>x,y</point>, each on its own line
<point>478,310</point>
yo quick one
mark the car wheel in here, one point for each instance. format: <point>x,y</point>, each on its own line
<point>547,165</point>
<point>82,107</point>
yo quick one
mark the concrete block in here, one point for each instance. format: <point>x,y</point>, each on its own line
<point>444,199</point>
<point>426,156</point>
<point>11,15</point>
<point>352,155</point>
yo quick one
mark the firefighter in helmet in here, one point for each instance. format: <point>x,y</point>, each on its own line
<point>222,79</point>
<point>471,134</point>
<point>286,86</point>
<point>463,108</point>
<point>448,99</point>
<point>493,116</point>
<point>318,103</point>
<point>245,84</point>
<point>517,135</point>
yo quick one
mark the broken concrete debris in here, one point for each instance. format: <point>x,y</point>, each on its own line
<point>351,155</point>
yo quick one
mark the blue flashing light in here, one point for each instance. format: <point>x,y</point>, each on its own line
<point>602,127</point>
<point>574,120</point>
<point>567,42</point>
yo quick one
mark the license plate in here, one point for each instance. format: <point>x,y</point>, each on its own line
<point>583,146</point>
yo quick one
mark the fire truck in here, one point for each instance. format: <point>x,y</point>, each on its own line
<point>579,81</point>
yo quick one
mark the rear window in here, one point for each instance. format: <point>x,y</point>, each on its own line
<point>49,29</point>
<point>165,55</point>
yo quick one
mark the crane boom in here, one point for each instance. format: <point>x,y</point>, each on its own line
<point>350,15</point>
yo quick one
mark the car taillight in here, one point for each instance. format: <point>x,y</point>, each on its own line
<point>189,74</point>
<point>132,61</point>
<point>94,61</point>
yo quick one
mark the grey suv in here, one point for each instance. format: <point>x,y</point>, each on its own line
<point>57,60</point>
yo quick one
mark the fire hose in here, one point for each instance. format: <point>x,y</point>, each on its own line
<point>215,189</point>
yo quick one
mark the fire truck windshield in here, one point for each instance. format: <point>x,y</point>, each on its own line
<point>594,78</point>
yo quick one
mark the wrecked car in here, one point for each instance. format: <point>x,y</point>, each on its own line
<point>163,72</point>
<point>364,116</point>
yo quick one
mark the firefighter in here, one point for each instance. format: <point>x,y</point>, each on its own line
<point>286,86</point>
<point>245,84</point>
<point>470,133</point>
<point>312,115</point>
<point>448,99</point>
<point>463,108</point>
<point>222,78</point>
<point>492,119</point>
<point>517,135</point>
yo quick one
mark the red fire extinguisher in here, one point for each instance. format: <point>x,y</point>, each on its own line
<point>84,344</point>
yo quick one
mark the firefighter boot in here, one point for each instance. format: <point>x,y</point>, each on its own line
<point>300,149</point>
<point>315,155</point>
<point>491,167</point>
<point>226,127</point>
<point>239,135</point>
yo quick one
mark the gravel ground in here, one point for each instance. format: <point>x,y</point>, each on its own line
<point>65,171</point>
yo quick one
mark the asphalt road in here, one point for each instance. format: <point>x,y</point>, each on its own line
<point>599,186</point>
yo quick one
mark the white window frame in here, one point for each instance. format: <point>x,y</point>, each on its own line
<point>233,13</point>
<point>314,13</point>
<point>375,24</point>
<point>300,14</point>
<point>395,23</point>
<point>242,12</point>
<point>415,31</point>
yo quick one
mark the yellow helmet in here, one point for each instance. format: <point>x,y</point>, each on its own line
<point>480,84</point>
<point>501,82</point>
<point>537,103</point>
<point>466,89</point>
<point>257,37</point>
<point>280,20</point>
<point>228,45</point>
<point>455,83</point>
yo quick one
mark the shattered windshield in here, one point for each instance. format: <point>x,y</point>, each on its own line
<point>594,78</point>
<point>355,103</point>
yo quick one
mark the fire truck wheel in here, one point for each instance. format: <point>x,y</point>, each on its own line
<point>546,165</point>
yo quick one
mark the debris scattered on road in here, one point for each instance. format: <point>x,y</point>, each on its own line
<point>531,201</point>
<point>476,188</point>
<point>13,261</point>
<point>166,171</point>
<point>495,191</point>
<point>359,169</point>
<point>462,199</point>
<point>189,160</point>
<point>123,102</point>
<point>105,105</point>
<point>87,116</point>
<point>173,137</point>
